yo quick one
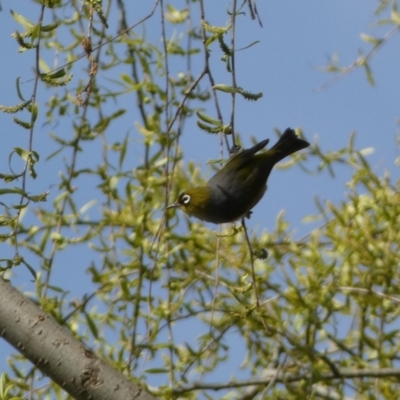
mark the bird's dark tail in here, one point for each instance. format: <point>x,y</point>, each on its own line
<point>287,144</point>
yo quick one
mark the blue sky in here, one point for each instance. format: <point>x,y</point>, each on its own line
<point>297,38</point>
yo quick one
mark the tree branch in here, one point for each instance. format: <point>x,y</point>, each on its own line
<point>284,377</point>
<point>54,350</point>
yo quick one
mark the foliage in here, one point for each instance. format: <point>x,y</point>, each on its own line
<point>168,301</point>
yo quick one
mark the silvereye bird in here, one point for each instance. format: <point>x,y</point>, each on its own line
<point>240,184</point>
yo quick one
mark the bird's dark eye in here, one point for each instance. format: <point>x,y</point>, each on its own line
<point>185,199</point>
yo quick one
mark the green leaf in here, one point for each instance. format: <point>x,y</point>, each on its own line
<point>97,7</point>
<point>17,82</point>
<point>49,28</point>
<point>23,45</point>
<point>250,96</point>
<point>395,16</point>
<point>208,119</point>
<point>22,20</point>
<point>15,190</point>
<point>369,74</point>
<point>210,40</point>
<point>156,371</point>
<point>39,197</point>
<point>175,16</point>
<point>22,153</point>
<point>228,63</point>
<point>208,129</point>
<point>30,268</point>
<point>124,149</point>
<point>34,108</point>
<point>6,220</point>
<point>371,39</point>
<point>224,47</point>
<point>216,30</point>
<point>92,325</point>
<point>248,46</point>
<point>20,206</point>
<point>225,88</point>
<point>9,177</point>
<point>59,73</point>
<point>3,238</point>
<point>24,124</point>
<point>47,78</point>
<point>15,109</point>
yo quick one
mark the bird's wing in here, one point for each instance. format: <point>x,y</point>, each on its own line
<point>235,164</point>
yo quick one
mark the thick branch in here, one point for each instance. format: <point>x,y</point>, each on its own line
<point>58,354</point>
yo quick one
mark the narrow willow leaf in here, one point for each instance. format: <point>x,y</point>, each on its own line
<point>9,177</point>
<point>228,64</point>
<point>17,82</point>
<point>60,73</point>
<point>3,238</point>
<point>22,43</point>
<point>15,190</point>
<point>248,95</point>
<point>224,47</point>
<point>97,6</point>
<point>210,40</point>
<point>20,206</point>
<point>15,109</point>
<point>175,16</point>
<point>209,129</point>
<point>208,119</point>
<point>50,27</point>
<point>92,326</point>
<point>369,74</point>
<point>5,220</point>
<point>225,88</point>
<point>35,111</point>
<point>367,151</point>
<point>124,149</point>
<point>216,30</point>
<point>395,16</point>
<point>370,39</point>
<point>56,82</point>
<point>30,268</point>
<point>22,20</point>
<point>248,46</point>
<point>24,124</point>
<point>156,371</point>
<point>35,155</point>
<point>39,197</point>
<point>21,152</point>
<point>241,289</point>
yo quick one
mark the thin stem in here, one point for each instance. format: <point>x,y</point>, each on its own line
<point>233,19</point>
<point>253,274</point>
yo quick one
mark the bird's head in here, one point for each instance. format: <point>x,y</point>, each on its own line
<point>196,202</point>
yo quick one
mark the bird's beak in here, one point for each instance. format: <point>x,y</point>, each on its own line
<point>173,205</point>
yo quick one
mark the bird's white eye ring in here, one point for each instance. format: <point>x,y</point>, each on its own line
<point>186,199</point>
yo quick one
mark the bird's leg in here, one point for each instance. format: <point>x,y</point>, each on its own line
<point>234,149</point>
